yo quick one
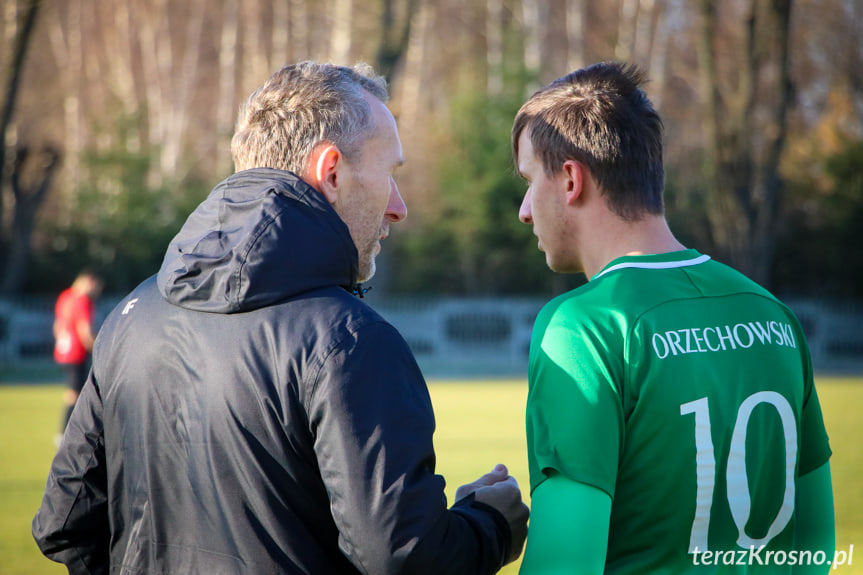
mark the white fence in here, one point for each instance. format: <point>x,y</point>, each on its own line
<point>454,337</point>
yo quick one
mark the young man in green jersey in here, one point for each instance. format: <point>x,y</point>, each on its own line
<point>672,421</point>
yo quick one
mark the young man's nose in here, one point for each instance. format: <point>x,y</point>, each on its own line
<point>524,212</point>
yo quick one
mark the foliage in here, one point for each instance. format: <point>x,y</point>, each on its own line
<point>119,224</point>
<point>819,253</point>
<point>474,243</point>
<point>686,211</point>
<point>457,72</point>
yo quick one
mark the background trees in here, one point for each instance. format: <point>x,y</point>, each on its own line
<point>762,101</point>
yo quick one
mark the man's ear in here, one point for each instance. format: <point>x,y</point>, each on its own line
<point>324,171</point>
<point>575,175</point>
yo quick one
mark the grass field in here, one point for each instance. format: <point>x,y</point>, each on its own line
<point>479,425</point>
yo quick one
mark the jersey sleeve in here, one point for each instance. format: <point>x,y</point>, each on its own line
<point>814,444</point>
<point>574,414</point>
<point>569,526</point>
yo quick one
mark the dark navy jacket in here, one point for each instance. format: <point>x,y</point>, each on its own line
<point>246,414</point>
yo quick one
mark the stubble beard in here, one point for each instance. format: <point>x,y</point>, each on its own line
<point>364,277</point>
<point>367,266</point>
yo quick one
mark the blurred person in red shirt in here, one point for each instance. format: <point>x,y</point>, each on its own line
<point>74,333</point>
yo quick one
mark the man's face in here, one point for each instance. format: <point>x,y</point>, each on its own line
<point>544,207</point>
<point>371,201</point>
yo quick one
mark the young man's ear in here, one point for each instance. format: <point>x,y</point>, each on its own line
<point>324,171</point>
<point>575,176</point>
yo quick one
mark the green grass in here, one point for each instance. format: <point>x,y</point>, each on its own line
<point>842,404</point>
<point>479,424</point>
<point>29,419</point>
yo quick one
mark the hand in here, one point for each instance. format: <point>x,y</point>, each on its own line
<point>498,474</point>
<point>500,490</point>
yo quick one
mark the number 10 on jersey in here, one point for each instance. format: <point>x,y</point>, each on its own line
<point>739,499</point>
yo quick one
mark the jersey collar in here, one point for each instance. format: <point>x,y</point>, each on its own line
<point>680,259</point>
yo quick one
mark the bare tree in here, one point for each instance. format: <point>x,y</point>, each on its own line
<point>395,35</point>
<point>156,59</point>
<point>178,70</point>
<point>413,77</point>
<point>639,24</point>
<point>627,25</point>
<point>27,201</point>
<point>657,68</point>
<point>853,55</point>
<point>341,37</point>
<point>575,34</point>
<point>494,47</point>
<point>532,25</point>
<point>66,41</point>
<point>281,52</point>
<point>745,127</point>
<point>184,80</point>
<point>254,53</point>
<point>22,36</point>
<point>116,32</point>
<point>29,196</point>
<point>225,105</point>
<point>299,30</point>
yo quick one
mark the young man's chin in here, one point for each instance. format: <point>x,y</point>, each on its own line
<point>562,267</point>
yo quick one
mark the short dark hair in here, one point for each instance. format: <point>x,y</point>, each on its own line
<point>600,116</point>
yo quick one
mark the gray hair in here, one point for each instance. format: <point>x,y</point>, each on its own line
<point>301,106</point>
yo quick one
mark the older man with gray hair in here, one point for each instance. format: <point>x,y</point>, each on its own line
<point>246,413</point>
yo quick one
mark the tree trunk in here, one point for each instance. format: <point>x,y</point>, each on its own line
<point>66,42</point>
<point>532,25</point>
<point>117,36</point>
<point>575,34</point>
<point>743,186</point>
<point>281,52</point>
<point>341,37</point>
<point>23,35</point>
<point>657,69</point>
<point>768,197</point>
<point>626,30</point>
<point>28,199</point>
<point>494,47</point>
<point>299,10</point>
<point>155,54</point>
<point>395,36</point>
<point>254,56</point>
<point>413,77</point>
<point>185,78</point>
<point>645,33</point>
<point>226,103</point>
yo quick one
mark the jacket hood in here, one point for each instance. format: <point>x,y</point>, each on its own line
<point>260,237</point>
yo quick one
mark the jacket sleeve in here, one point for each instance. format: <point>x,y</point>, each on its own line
<point>71,526</point>
<point>372,420</point>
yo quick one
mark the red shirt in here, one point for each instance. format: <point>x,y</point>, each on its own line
<point>71,308</point>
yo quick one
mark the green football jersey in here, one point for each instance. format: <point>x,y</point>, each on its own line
<point>684,391</point>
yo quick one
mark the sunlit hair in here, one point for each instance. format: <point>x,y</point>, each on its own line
<point>301,106</point>
<point>600,116</point>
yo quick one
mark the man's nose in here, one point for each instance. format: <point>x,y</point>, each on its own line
<point>524,212</point>
<point>396,208</point>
